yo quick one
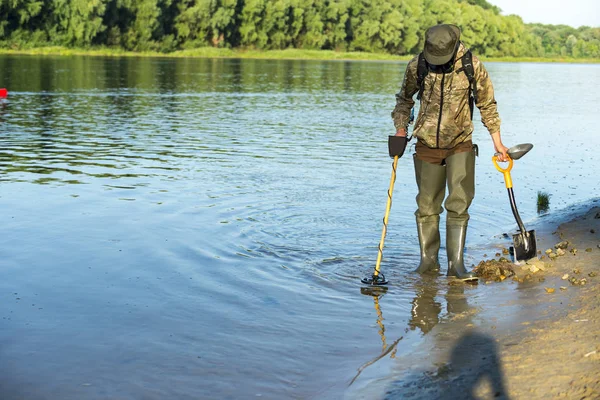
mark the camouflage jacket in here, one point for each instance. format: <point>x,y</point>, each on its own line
<point>452,124</point>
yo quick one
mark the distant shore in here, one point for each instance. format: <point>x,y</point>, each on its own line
<point>288,54</point>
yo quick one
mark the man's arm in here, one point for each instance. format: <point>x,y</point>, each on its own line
<point>489,109</point>
<point>404,98</point>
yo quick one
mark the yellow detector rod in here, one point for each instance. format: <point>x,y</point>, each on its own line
<point>396,145</point>
<point>386,218</point>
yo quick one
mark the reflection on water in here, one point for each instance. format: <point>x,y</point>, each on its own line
<point>426,309</point>
<point>376,292</point>
<point>207,222</point>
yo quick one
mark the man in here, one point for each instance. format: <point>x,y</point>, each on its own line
<point>448,80</point>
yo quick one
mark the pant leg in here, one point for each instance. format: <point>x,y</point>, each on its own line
<point>461,190</point>
<point>431,182</point>
<point>461,187</point>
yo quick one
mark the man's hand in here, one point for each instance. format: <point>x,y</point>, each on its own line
<point>500,148</point>
<point>401,132</point>
<point>501,151</point>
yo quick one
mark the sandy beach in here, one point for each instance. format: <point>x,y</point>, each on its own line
<point>551,350</point>
<point>560,358</point>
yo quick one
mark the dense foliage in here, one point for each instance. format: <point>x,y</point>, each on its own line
<point>390,26</point>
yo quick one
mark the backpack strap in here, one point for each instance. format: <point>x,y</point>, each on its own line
<point>469,70</point>
<point>422,71</point>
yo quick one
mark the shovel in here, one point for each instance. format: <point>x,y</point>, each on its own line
<point>524,241</point>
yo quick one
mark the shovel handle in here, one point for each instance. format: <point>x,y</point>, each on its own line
<point>513,206</point>
<point>505,171</point>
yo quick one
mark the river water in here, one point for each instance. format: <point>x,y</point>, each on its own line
<point>198,228</point>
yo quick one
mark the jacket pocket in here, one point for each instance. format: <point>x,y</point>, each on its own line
<point>459,100</point>
<point>458,116</point>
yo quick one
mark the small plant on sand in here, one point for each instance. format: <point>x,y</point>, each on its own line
<point>543,202</point>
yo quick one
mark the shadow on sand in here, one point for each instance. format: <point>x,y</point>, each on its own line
<point>473,368</point>
<point>473,372</point>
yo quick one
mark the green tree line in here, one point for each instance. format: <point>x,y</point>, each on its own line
<point>387,26</point>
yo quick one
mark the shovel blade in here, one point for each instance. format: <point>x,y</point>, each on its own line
<point>524,245</point>
<point>519,150</point>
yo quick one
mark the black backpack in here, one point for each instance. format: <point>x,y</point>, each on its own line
<point>467,68</point>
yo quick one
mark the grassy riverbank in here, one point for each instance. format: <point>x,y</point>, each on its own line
<point>289,54</point>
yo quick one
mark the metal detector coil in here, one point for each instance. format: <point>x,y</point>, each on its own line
<point>375,280</point>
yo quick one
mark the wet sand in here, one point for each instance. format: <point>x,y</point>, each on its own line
<point>549,349</point>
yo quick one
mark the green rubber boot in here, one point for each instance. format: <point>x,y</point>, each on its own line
<point>431,181</point>
<point>455,246</point>
<point>429,240</point>
<point>461,191</point>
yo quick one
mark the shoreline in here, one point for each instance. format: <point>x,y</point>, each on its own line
<point>564,351</point>
<point>532,339</point>
<point>288,54</point>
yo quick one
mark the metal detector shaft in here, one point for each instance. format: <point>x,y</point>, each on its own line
<point>386,216</point>
<point>396,147</point>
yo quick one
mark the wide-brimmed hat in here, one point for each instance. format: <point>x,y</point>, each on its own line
<point>441,42</point>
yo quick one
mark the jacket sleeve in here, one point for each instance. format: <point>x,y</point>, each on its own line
<point>485,99</point>
<point>404,98</point>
